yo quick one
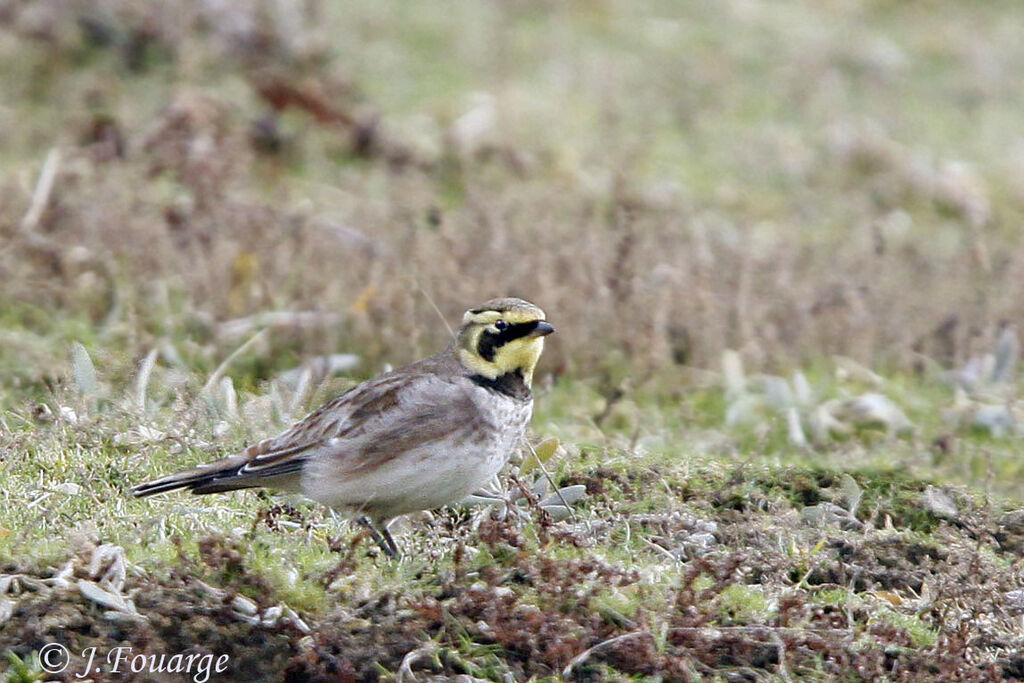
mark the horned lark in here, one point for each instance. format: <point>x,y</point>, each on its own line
<point>415,438</point>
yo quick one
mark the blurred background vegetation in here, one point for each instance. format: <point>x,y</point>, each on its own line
<point>668,180</point>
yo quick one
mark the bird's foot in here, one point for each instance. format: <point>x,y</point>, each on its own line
<point>381,536</point>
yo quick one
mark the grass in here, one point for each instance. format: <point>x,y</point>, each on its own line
<point>792,180</point>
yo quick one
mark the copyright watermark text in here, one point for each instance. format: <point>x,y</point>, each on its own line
<point>55,658</point>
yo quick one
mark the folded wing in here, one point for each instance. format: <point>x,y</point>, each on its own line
<point>358,430</point>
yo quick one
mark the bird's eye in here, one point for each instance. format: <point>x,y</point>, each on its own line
<point>500,325</point>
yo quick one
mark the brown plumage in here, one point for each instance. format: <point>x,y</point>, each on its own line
<point>421,436</point>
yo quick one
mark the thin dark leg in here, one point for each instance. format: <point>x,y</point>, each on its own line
<point>390,540</point>
<point>386,543</point>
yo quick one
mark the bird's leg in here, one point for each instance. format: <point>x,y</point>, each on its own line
<point>389,539</point>
<point>386,543</point>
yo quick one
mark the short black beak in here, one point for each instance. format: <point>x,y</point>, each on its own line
<point>542,329</point>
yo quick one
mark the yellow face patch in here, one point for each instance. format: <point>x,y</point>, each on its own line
<point>520,354</point>
<point>482,318</point>
<point>512,311</point>
<point>484,351</point>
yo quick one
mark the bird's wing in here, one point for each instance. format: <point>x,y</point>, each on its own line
<point>360,429</point>
<point>400,419</point>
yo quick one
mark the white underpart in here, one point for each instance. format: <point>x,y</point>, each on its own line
<point>425,477</point>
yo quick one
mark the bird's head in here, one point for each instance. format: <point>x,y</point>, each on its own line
<point>502,336</point>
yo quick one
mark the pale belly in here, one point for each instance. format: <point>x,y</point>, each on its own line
<point>422,478</point>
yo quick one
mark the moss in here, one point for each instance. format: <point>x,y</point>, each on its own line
<point>26,670</point>
<point>920,634</point>
<point>742,604</point>
<point>835,597</point>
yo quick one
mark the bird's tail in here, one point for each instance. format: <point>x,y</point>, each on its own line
<point>262,464</point>
<point>221,475</point>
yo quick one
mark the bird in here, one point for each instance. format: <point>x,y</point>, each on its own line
<point>416,438</point>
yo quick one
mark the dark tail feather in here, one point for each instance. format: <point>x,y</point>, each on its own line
<point>227,474</point>
<point>195,478</point>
